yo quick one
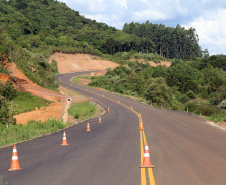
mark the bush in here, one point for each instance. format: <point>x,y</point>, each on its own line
<point>223,104</point>
<point>203,108</point>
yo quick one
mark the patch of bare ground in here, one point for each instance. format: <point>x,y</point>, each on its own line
<point>68,63</point>
<point>163,63</point>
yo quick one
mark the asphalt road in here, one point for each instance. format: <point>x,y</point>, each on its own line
<point>184,149</point>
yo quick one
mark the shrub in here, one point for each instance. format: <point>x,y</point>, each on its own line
<point>223,104</point>
<point>203,108</point>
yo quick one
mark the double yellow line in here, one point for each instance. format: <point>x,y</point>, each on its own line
<point>150,175</point>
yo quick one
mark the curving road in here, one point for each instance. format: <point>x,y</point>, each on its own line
<point>184,149</point>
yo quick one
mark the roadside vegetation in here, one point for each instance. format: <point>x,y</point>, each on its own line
<point>12,133</point>
<point>196,85</point>
<point>81,110</point>
<point>13,102</point>
<point>34,129</point>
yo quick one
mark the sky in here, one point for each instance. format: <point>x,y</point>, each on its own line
<point>208,17</point>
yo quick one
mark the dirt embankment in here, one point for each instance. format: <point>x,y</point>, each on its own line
<point>68,63</point>
<point>163,63</point>
<point>4,78</point>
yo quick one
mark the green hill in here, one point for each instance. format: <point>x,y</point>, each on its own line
<point>31,30</point>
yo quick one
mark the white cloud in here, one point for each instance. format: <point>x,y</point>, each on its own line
<point>97,6</point>
<point>123,3</point>
<point>150,15</point>
<point>212,31</point>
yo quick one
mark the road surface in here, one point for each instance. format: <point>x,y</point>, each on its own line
<point>184,149</point>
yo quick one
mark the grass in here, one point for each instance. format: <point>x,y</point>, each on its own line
<point>18,133</point>
<point>81,110</point>
<point>75,80</point>
<point>217,117</point>
<point>85,77</point>
<point>26,102</point>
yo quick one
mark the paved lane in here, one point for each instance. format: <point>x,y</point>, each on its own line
<point>184,149</point>
<point>109,154</point>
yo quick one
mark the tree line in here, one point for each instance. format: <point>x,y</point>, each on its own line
<point>168,42</point>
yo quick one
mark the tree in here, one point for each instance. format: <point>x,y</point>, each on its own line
<point>156,90</point>
<point>110,44</point>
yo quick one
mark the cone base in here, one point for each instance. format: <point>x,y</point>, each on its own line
<point>144,166</point>
<point>64,144</point>
<point>11,170</point>
<point>88,130</point>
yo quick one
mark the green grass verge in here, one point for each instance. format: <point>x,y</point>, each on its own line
<point>18,133</point>
<point>75,80</point>
<point>79,110</point>
<point>26,102</point>
<point>85,77</point>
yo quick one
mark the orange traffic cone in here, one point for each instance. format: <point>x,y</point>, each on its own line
<point>15,162</point>
<point>139,115</point>
<point>141,126</point>
<point>64,142</point>
<point>108,109</point>
<point>88,128</point>
<point>99,119</point>
<point>131,107</point>
<point>147,160</point>
<point>118,101</point>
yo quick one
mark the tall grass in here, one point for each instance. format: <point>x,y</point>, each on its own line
<point>79,110</point>
<point>26,102</point>
<point>18,133</point>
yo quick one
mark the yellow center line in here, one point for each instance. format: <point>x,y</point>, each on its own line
<point>142,139</point>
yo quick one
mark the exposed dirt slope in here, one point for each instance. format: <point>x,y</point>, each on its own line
<point>4,78</point>
<point>68,63</point>
<point>55,110</point>
<point>163,63</point>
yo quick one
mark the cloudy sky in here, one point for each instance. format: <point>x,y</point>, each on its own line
<point>208,17</point>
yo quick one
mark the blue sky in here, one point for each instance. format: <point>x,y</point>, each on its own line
<point>208,17</point>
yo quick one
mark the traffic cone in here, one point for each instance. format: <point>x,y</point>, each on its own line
<point>141,126</point>
<point>99,119</point>
<point>64,142</point>
<point>146,160</point>
<point>118,101</point>
<point>88,128</point>
<point>131,107</point>
<point>15,162</point>
<point>108,109</point>
<point>139,115</point>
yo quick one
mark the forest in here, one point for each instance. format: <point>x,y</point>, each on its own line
<point>31,30</point>
<point>168,42</point>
